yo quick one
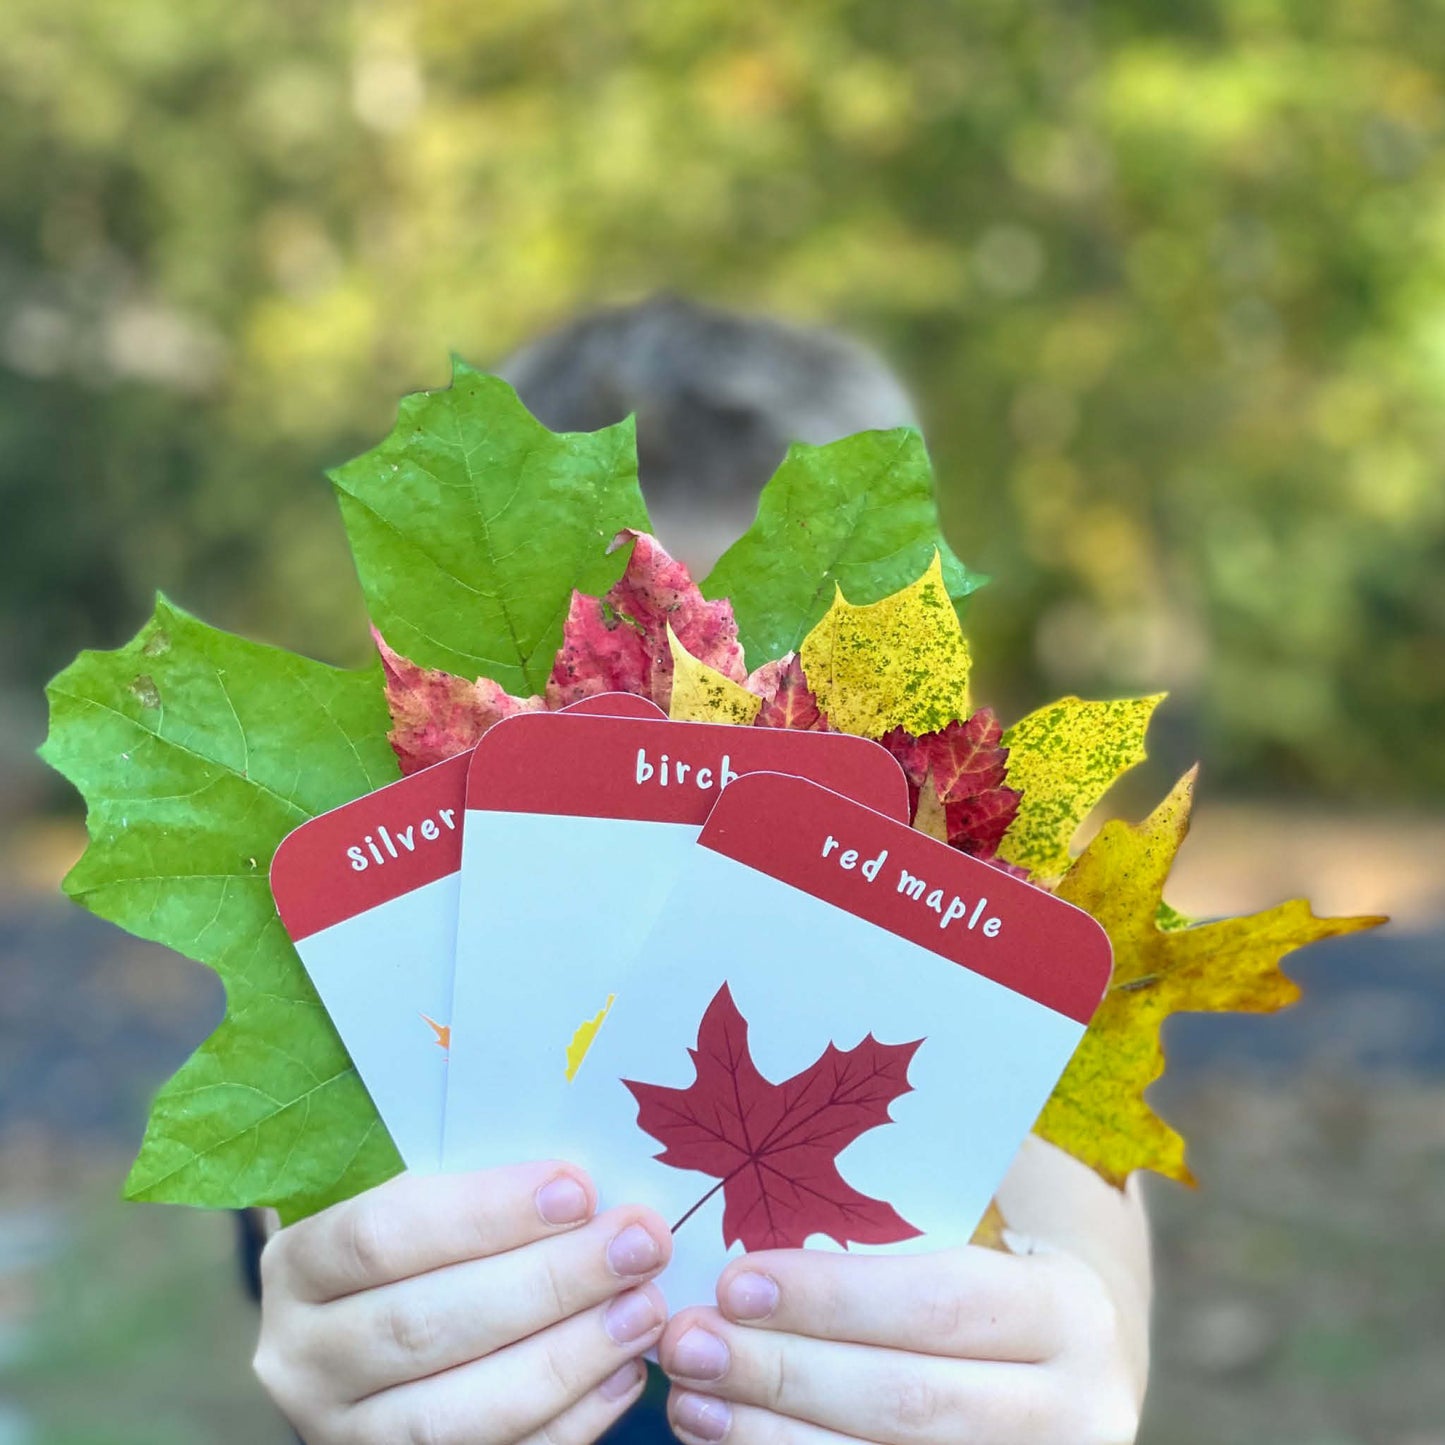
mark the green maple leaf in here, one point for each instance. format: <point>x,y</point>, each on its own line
<point>859,513</point>
<point>472,523</point>
<point>196,753</point>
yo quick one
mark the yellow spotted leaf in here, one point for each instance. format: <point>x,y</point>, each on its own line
<point>902,662</point>
<point>582,1039</point>
<point>702,694</point>
<point>1098,1112</point>
<point>1063,758</point>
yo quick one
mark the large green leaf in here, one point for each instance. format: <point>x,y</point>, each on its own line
<point>197,752</point>
<point>859,513</point>
<point>472,523</point>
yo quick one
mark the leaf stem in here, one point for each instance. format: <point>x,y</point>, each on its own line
<point>698,1205</point>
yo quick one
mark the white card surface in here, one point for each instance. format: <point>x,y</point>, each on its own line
<point>368,894</point>
<point>575,828</point>
<point>786,1002</point>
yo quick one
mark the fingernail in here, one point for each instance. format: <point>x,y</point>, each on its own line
<point>623,1382</point>
<point>633,1251</point>
<point>698,1355</point>
<point>563,1201</point>
<point>630,1316</point>
<point>750,1297</point>
<point>699,1416</point>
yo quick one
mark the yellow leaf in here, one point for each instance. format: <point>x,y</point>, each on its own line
<point>900,662</point>
<point>582,1039</point>
<point>702,694</point>
<point>991,1229</point>
<point>1098,1112</point>
<point>1063,758</point>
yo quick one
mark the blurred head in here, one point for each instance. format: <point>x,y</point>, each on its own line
<point>718,397</point>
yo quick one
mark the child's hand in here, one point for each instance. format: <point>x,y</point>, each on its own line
<point>467,1309</point>
<point>968,1347</point>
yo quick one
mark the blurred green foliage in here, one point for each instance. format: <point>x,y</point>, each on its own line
<point>1168,279</point>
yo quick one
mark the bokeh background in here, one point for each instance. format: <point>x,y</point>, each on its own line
<point>1168,282</point>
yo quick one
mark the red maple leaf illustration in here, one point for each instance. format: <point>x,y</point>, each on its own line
<point>774,1147</point>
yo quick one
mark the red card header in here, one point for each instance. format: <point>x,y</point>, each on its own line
<point>663,772</point>
<point>398,838</point>
<point>368,852</point>
<point>915,887</point>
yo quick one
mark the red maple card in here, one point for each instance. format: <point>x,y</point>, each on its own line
<point>575,827</point>
<point>837,1034</point>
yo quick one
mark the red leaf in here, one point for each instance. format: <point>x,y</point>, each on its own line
<point>968,764</point>
<point>967,757</point>
<point>912,755</point>
<point>791,703</point>
<point>976,825</point>
<point>619,644</point>
<point>774,1147</point>
<point>436,714</point>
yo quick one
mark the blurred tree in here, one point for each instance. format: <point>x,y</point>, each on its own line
<point>1168,281</point>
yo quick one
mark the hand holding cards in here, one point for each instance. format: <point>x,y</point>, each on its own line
<point>712,965</point>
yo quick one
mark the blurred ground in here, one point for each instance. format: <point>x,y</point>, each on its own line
<point>1301,1298</point>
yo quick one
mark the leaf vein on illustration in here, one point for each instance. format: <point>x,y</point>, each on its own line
<point>832,1101</point>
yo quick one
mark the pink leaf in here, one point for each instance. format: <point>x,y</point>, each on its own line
<point>619,644</point>
<point>436,714</point>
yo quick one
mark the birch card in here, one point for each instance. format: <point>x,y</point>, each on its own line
<point>575,829</point>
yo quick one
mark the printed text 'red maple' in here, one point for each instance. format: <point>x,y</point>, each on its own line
<point>912,886</point>
<point>384,845</point>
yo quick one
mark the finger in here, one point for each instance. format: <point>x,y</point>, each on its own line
<point>417,1327</point>
<point>518,1390</point>
<point>705,1420</point>
<point>968,1303</point>
<point>417,1223</point>
<point>583,1422</point>
<point>889,1396</point>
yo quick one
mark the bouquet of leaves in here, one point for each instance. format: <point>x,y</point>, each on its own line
<point>507,568</point>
